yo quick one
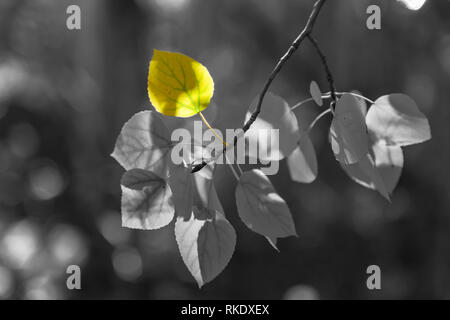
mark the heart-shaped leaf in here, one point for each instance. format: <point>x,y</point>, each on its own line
<point>365,173</point>
<point>178,85</point>
<point>275,115</point>
<point>389,163</point>
<point>144,143</point>
<point>302,162</point>
<point>396,120</point>
<point>261,208</point>
<point>316,94</point>
<point>146,200</point>
<point>379,170</point>
<point>348,132</point>
<point>206,242</point>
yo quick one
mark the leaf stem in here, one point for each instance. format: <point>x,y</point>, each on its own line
<point>232,168</point>
<point>356,95</point>
<point>299,104</point>
<point>329,110</point>
<point>212,130</point>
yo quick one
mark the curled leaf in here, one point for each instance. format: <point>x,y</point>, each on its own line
<point>261,208</point>
<point>206,242</point>
<point>178,85</point>
<point>146,200</point>
<point>348,132</point>
<point>144,143</point>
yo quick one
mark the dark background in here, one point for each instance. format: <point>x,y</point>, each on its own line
<point>64,96</point>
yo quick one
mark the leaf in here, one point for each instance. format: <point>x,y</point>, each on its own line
<point>206,242</point>
<point>389,162</point>
<point>380,170</point>
<point>348,132</point>
<point>275,114</point>
<point>365,173</point>
<point>316,94</point>
<point>182,185</point>
<point>261,208</point>
<point>178,85</point>
<point>146,200</point>
<point>144,143</point>
<point>205,193</point>
<point>396,120</point>
<point>302,163</point>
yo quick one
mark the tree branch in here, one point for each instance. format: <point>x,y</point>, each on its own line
<point>326,67</point>
<point>293,47</point>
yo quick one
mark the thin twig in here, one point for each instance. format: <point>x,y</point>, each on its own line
<point>293,47</point>
<point>299,104</point>
<point>240,169</point>
<point>327,69</point>
<point>318,118</point>
<point>356,95</point>
<point>232,168</point>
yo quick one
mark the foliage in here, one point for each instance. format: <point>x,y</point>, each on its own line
<point>366,142</point>
<point>178,85</point>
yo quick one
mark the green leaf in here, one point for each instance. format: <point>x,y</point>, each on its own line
<point>396,120</point>
<point>275,114</point>
<point>206,242</point>
<point>316,94</point>
<point>302,162</point>
<point>146,200</point>
<point>144,143</point>
<point>348,132</point>
<point>261,208</point>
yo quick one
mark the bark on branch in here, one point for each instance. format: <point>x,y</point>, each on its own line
<point>293,47</point>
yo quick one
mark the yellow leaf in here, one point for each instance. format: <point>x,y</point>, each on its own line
<point>178,85</point>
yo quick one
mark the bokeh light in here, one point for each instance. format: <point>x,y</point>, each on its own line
<point>46,182</point>
<point>6,282</point>
<point>301,292</point>
<point>127,263</point>
<point>67,245</point>
<point>20,244</point>
<point>413,4</point>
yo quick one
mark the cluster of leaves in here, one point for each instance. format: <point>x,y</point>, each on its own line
<point>156,191</point>
<point>368,143</point>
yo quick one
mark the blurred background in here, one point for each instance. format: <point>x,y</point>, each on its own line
<point>64,95</point>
